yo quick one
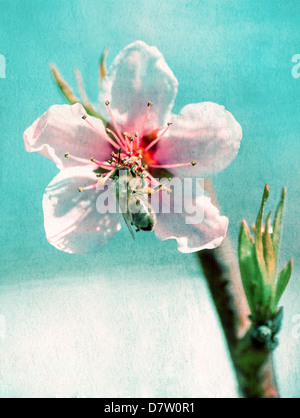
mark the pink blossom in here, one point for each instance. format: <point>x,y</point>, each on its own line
<point>200,142</point>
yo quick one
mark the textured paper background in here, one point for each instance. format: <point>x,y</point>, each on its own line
<point>72,326</point>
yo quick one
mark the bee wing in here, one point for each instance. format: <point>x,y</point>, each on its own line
<point>126,217</point>
<point>128,223</point>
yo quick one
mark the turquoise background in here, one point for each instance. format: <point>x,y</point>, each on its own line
<point>235,53</point>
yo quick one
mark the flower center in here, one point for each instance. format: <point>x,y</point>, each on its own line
<point>132,151</point>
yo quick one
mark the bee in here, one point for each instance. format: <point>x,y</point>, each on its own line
<point>132,193</point>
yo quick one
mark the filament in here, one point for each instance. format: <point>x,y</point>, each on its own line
<point>157,139</point>
<point>150,104</point>
<point>99,133</point>
<point>193,163</point>
<point>115,123</point>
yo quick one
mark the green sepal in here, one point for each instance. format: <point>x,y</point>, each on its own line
<point>258,263</point>
<point>67,92</point>
<point>102,65</point>
<point>251,275</point>
<point>282,282</point>
<point>277,226</point>
<point>63,86</point>
<point>258,233</point>
<point>269,256</point>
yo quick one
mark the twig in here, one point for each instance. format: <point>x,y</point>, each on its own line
<point>253,365</point>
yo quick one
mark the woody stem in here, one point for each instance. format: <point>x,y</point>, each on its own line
<point>254,368</point>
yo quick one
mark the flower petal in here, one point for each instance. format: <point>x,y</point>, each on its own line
<point>61,129</point>
<point>139,74</point>
<point>205,133</point>
<point>72,222</point>
<point>205,230</point>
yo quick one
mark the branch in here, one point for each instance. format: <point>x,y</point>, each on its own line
<point>253,365</point>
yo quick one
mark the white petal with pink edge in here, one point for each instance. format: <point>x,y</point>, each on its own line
<point>206,133</point>
<point>62,129</point>
<point>72,222</point>
<point>139,74</point>
<point>207,231</point>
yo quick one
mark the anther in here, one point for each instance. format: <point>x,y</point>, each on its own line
<point>78,159</point>
<point>193,163</point>
<point>84,117</point>
<point>150,104</point>
<point>80,189</point>
<point>93,160</point>
<point>107,103</point>
<point>170,123</point>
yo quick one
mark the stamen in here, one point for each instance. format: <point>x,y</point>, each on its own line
<point>158,138</point>
<point>150,104</point>
<point>98,132</point>
<point>77,159</point>
<point>103,164</point>
<point>153,180</point>
<point>102,181</point>
<point>193,163</point>
<point>131,144</point>
<point>93,186</point>
<point>114,122</point>
<point>137,141</point>
<point>119,142</point>
<point>159,187</point>
<point>126,138</point>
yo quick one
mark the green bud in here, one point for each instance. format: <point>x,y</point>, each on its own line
<point>258,262</point>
